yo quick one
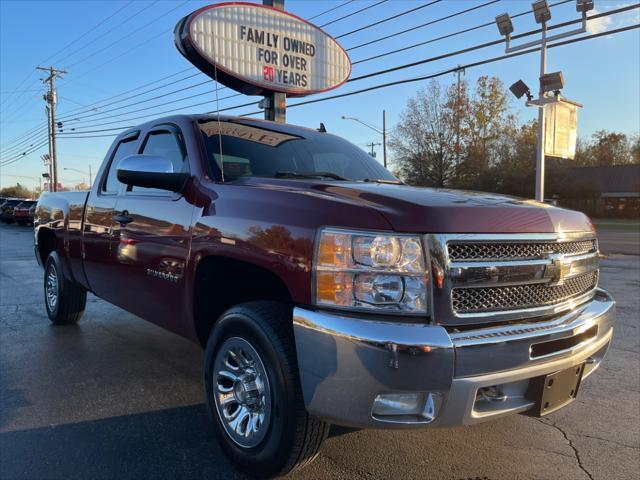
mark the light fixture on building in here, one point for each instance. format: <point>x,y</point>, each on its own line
<point>519,89</point>
<point>583,6</point>
<point>552,82</point>
<point>505,25</point>
<point>541,11</point>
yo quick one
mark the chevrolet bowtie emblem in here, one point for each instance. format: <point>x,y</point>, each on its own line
<point>557,270</point>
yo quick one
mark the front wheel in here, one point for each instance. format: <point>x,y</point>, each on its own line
<point>253,391</point>
<point>64,300</point>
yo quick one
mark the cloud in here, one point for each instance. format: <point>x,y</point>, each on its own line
<point>598,25</point>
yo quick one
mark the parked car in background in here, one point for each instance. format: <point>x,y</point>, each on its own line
<point>6,211</point>
<point>32,212</point>
<point>21,212</point>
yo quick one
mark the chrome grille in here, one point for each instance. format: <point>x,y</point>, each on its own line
<point>469,300</point>
<point>517,250</point>
<point>493,278</point>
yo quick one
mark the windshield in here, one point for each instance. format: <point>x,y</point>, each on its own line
<point>250,151</point>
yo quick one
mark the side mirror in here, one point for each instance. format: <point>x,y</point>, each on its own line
<point>151,171</point>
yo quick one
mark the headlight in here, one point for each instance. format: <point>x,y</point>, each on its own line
<point>373,271</point>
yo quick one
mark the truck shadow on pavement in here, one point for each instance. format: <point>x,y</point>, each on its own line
<point>172,443</point>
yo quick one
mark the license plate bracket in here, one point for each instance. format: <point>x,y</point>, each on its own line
<point>555,390</point>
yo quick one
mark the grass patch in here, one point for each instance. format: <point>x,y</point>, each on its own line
<point>617,224</point>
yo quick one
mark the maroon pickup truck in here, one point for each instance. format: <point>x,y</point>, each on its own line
<point>323,289</point>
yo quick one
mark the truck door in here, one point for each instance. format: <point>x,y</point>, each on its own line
<point>152,244</point>
<point>98,229</point>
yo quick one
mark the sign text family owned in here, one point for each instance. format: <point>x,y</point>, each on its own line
<point>289,68</point>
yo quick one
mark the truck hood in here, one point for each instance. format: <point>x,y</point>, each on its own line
<point>428,210</point>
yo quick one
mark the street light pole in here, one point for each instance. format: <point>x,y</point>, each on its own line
<point>540,157</point>
<point>382,132</point>
<point>384,138</point>
<point>82,172</point>
<point>542,14</point>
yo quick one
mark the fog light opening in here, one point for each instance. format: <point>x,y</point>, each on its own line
<point>419,405</point>
<point>493,393</point>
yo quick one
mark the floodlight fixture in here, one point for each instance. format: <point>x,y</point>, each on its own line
<point>541,11</point>
<point>519,89</point>
<point>552,82</point>
<point>583,6</point>
<point>505,25</point>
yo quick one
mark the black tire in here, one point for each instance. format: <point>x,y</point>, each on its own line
<point>293,437</point>
<point>70,300</point>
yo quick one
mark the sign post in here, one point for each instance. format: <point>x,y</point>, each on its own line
<point>277,108</point>
<point>262,50</point>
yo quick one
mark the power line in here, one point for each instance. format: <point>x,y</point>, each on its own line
<point>173,92</point>
<point>424,61</point>
<point>183,107</point>
<point>26,145</point>
<point>353,13</point>
<point>357,78</point>
<point>393,17</point>
<point>128,35</point>
<point>24,154</point>
<point>119,128</point>
<point>92,29</point>
<point>91,42</point>
<point>469,65</point>
<point>71,43</point>
<point>431,22</point>
<point>420,62</point>
<point>89,106</point>
<point>429,76</point>
<point>343,4</point>
<point>24,135</point>
<point>68,114</point>
<point>481,46</point>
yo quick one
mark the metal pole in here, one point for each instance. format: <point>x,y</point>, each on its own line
<point>90,178</point>
<point>541,118</point>
<point>384,137</point>
<point>48,110</point>
<point>275,102</point>
<point>52,102</point>
<point>50,98</point>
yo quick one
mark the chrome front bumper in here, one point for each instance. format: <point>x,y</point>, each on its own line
<point>345,362</point>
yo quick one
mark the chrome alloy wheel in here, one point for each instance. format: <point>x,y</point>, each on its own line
<point>241,391</point>
<point>51,289</point>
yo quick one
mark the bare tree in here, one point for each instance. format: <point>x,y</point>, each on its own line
<point>423,142</point>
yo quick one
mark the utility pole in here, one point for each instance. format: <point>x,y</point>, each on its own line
<point>372,145</point>
<point>50,98</point>
<point>275,103</point>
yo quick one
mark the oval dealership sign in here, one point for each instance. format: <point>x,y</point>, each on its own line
<point>257,49</point>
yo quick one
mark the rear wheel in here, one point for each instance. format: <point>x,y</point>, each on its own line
<point>65,301</point>
<point>253,391</point>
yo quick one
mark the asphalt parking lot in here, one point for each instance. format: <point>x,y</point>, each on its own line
<point>116,397</point>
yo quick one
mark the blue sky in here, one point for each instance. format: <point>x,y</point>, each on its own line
<point>135,46</point>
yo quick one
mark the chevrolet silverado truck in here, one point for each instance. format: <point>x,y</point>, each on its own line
<point>323,290</point>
